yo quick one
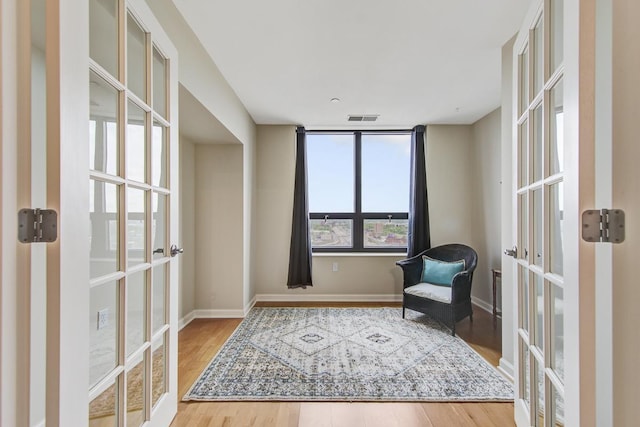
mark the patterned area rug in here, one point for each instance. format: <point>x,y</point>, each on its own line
<point>347,354</point>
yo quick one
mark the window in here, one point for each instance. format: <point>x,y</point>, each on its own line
<point>358,185</point>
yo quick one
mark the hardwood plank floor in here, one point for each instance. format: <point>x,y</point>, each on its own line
<point>199,341</point>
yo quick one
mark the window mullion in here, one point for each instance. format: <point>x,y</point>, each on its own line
<point>358,227</point>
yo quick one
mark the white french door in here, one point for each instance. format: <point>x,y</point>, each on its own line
<point>133,214</point>
<point>539,196</point>
<point>89,129</point>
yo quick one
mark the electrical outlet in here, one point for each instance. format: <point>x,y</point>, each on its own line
<point>335,266</point>
<point>103,318</point>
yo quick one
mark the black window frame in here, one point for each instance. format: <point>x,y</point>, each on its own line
<point>358,217</point>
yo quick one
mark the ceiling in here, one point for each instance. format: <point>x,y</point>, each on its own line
<point>408,61</point>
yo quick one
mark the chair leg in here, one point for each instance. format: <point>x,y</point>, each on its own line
<point>403,311</point>
<point>471,316</point>
<point>453,330</point>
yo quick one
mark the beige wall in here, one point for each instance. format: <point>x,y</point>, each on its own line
<point>449,163</point>
<point>218,222</point>
<point>486,216</point>
<point>187,228</point>
<point>248,215</point>
<point>449,183</point>
<point>508,324</point>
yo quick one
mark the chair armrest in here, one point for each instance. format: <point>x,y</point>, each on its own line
<point>461,287</point>
<point>411,269</point>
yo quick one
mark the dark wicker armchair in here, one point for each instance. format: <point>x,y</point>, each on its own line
<point>448,305</point>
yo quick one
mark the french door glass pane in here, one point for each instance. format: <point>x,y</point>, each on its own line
<point>159,292</point>
<point>103,330</point>
<point>136,137</point>
<point>524,80</point>
<point>558,409</point>
<point>159,225</point>
<point>523,154</point>
<point>555,33</point>
<point>556,221</point>
<point>136,226</point>
<point>556,130</point>
<point>136,59</point>
<point>540,401</point>
<point>385,173</point>
<point>135,394</point>
<point>330,173</point>
<point>104,236</point>
<point>103,409</point>
<point>103,34</point>
<point>537,145</point>
<point>557,331</point>
<point>159,369</point>
<point>331,233</point>
<point>524,298</point>
<point>159,83</point>
<point>523,227</point>
<point>537,227</point>
<point>384,233</point>
<point>103,126</point>
<point>159,155</point>
<point>539,311</point>
<point>136,302</point>
<point>538,58</point>
<point>525,386</point>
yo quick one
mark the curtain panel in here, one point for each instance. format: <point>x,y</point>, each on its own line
<point>300,249</point>
<point>419,238</point>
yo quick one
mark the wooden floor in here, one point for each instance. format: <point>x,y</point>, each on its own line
<point>199,341</point>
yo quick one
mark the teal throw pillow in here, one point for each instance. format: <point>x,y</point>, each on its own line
<point>439,272</point>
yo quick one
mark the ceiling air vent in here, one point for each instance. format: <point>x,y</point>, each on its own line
<point>363,118</point>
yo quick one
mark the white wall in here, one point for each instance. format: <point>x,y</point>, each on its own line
<point>626,175</point>
<point>12,406</point>
<point>186,290</point>
<point>38,252</point>
<point>219,221</point>
<point>486,215</point>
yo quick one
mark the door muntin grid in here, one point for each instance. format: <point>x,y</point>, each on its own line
<point>132,215</point>
<point>539,216</point>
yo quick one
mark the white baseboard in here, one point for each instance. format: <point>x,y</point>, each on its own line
<point>249,305</point>
<point>506,368</point>
<point>294,297</point>
<point>186,320</point>
<point>482,304</point>
<point>219,314</point>
<point>41,424</point>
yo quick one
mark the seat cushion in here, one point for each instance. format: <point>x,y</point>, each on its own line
<point>440,272</point>
<point>430,291</point>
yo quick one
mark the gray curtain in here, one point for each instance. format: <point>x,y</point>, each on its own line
<point>300,250</point>
<point>419,234</point>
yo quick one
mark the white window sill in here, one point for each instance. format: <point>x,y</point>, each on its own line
<point>359,254</point>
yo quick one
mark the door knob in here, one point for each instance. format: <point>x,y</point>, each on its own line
<point>512,252</point>
<point>176,250</point>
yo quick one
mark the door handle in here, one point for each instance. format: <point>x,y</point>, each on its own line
<point>176,250</point>
<point>512,252</point>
